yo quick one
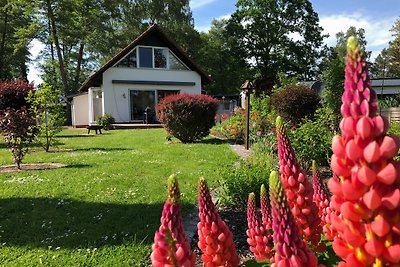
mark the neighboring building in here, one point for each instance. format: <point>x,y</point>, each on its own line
<point>386,87</point>
<point>148,69</point>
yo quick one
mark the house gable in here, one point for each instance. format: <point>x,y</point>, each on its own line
<point>152,37</point>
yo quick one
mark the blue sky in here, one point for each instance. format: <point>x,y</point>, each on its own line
<point>375,16</point>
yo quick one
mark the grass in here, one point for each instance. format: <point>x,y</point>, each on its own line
<point>103,208</point>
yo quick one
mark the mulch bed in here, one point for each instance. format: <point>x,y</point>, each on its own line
<point>30,167</point>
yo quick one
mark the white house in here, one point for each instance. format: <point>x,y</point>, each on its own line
<point>148,69</point>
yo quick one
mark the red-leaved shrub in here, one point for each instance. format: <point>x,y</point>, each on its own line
<point>13,94</point>
<point>187,117</point>
<point>16,126</point>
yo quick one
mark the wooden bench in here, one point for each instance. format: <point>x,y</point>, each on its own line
<point>94,127</point>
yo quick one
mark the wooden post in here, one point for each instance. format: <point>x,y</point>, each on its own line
<point>247,129</point>
<point>246,88</point>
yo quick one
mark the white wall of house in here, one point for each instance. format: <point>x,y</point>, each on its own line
<point>80,110</point>
<point>116,97</point>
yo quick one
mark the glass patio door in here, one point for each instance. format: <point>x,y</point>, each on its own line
<point>140,100</point>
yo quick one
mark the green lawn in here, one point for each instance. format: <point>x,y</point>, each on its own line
<point>104,207</point>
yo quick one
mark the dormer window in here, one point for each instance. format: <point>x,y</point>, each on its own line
<point>152,58</point>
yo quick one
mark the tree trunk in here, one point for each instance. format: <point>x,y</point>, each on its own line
<point>3,44</point>
<point>79,65</point>
<point>58,49</point>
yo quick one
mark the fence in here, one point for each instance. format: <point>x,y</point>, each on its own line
<point>392,114</point>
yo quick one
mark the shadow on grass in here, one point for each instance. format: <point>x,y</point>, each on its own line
<point>78,166</point>
<point>74,135</point>
<point>213,141</point>
<point>103,149</point>
<point>66,223</point>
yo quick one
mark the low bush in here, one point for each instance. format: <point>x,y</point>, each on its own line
<point>13,94</point>
<point>295,102</point>
<point>49,114</point>
<point>17,128</point>
<point>237,181</point>
<point>106,121</point>
<point>311,142</point>
<point>187,117</point>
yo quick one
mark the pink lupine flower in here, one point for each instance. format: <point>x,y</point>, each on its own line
<point>298,189</point>
<point>322,199</point>
<point>171,246</point>
<point>291,249</point>
<point>259,238</point>
<point>265,208</point>
<point>259,133</point>
<point>215,238</point>
<point>367,193</point>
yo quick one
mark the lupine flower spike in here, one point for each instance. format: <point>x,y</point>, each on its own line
<point>259,238</point>
<point>265,208</point>
<point>322,199</point>
<point>291,250</point>
<point>171,246</point>
<point>215,239</point>
<point>367,193</point>
<point>298,189</point>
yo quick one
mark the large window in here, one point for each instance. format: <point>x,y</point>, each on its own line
<point>129,61</point>
<point>145,57</point>
<point>160,58</point>
<point>151,57</point>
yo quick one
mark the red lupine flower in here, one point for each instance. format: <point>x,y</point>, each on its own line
<point>291,250</point>
<point>215,239</point>
<point>171,246</point>
<point>259,238</point>
<point>367,193</point>
<point>224,115</point>
<point>265,208</point>
<point>298,189</point>
<point>322,199</point>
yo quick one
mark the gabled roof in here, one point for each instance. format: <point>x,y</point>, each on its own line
<point>96,78</point>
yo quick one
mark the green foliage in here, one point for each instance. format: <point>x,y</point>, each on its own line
<point>260,104</point>
<point>333,89</point>
<point>231,128</point>
<point>16,128</point>
<point>327,257</point>
<point>48,113</point>
<point>390,102</point>
<point>312,141</point>
<point>221,60</point>
<point>187,117</point>
<point>107,121</point>
<point>18,28</point>
<point>271,49</point>
<point>295,102</point>
<point>237,181</point>
<point>387,63</point>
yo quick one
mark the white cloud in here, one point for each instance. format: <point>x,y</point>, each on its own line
<point>377,31</point>
<point>195,4</point>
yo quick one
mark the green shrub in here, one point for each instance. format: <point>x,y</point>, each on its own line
<point>237,181</point>
<point>48,113</point>
<point>187,117</point>
<point>311,141</point>
<point>106,121</point>
<point>231,128</point>
<point>295,102</point>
